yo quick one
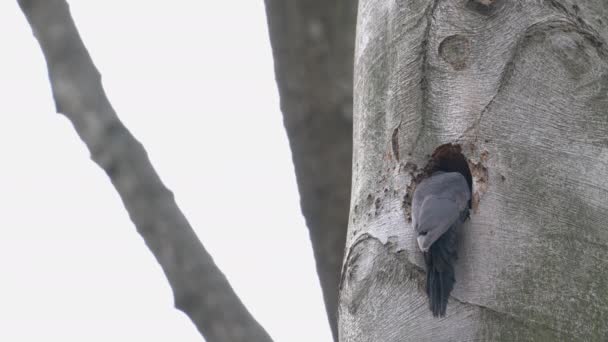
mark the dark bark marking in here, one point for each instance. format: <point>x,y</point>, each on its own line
<point>377,206</point>
<point>395,142</point>
<point>455,51</point>
<point>484,7</point>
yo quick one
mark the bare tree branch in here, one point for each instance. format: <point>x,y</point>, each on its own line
<point>199,288</point>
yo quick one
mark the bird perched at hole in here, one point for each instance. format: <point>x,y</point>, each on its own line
<point>440,205</point>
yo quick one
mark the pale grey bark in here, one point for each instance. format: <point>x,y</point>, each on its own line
<point>199,288</point>
<point>522,87</point>
<point>313,44</point>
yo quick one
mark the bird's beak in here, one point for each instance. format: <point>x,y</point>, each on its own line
<point>420,240</point>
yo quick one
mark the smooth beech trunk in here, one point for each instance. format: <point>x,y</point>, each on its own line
<point>522,88</point>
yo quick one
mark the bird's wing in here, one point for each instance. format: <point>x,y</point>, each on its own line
<point>439,212</point>
<point>439,199</point>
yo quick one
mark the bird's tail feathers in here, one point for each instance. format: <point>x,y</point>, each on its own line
<point>440,277</point>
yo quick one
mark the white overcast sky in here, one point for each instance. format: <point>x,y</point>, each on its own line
<point>194,82</point>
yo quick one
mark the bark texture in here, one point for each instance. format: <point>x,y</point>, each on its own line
<point>522,88</point>
<point>200,289</point>
<point>313,45</point>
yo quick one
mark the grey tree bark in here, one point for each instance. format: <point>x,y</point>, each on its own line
<point>522,88</point>
<point>313,44</point>
<point>200,289</point>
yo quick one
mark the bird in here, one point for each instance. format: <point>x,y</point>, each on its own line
<point>440,205</point>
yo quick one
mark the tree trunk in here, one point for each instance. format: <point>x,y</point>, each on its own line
<point>521,87</point>
<point>313,43</point>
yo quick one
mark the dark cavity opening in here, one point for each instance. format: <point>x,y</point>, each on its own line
<point>449,158</point>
